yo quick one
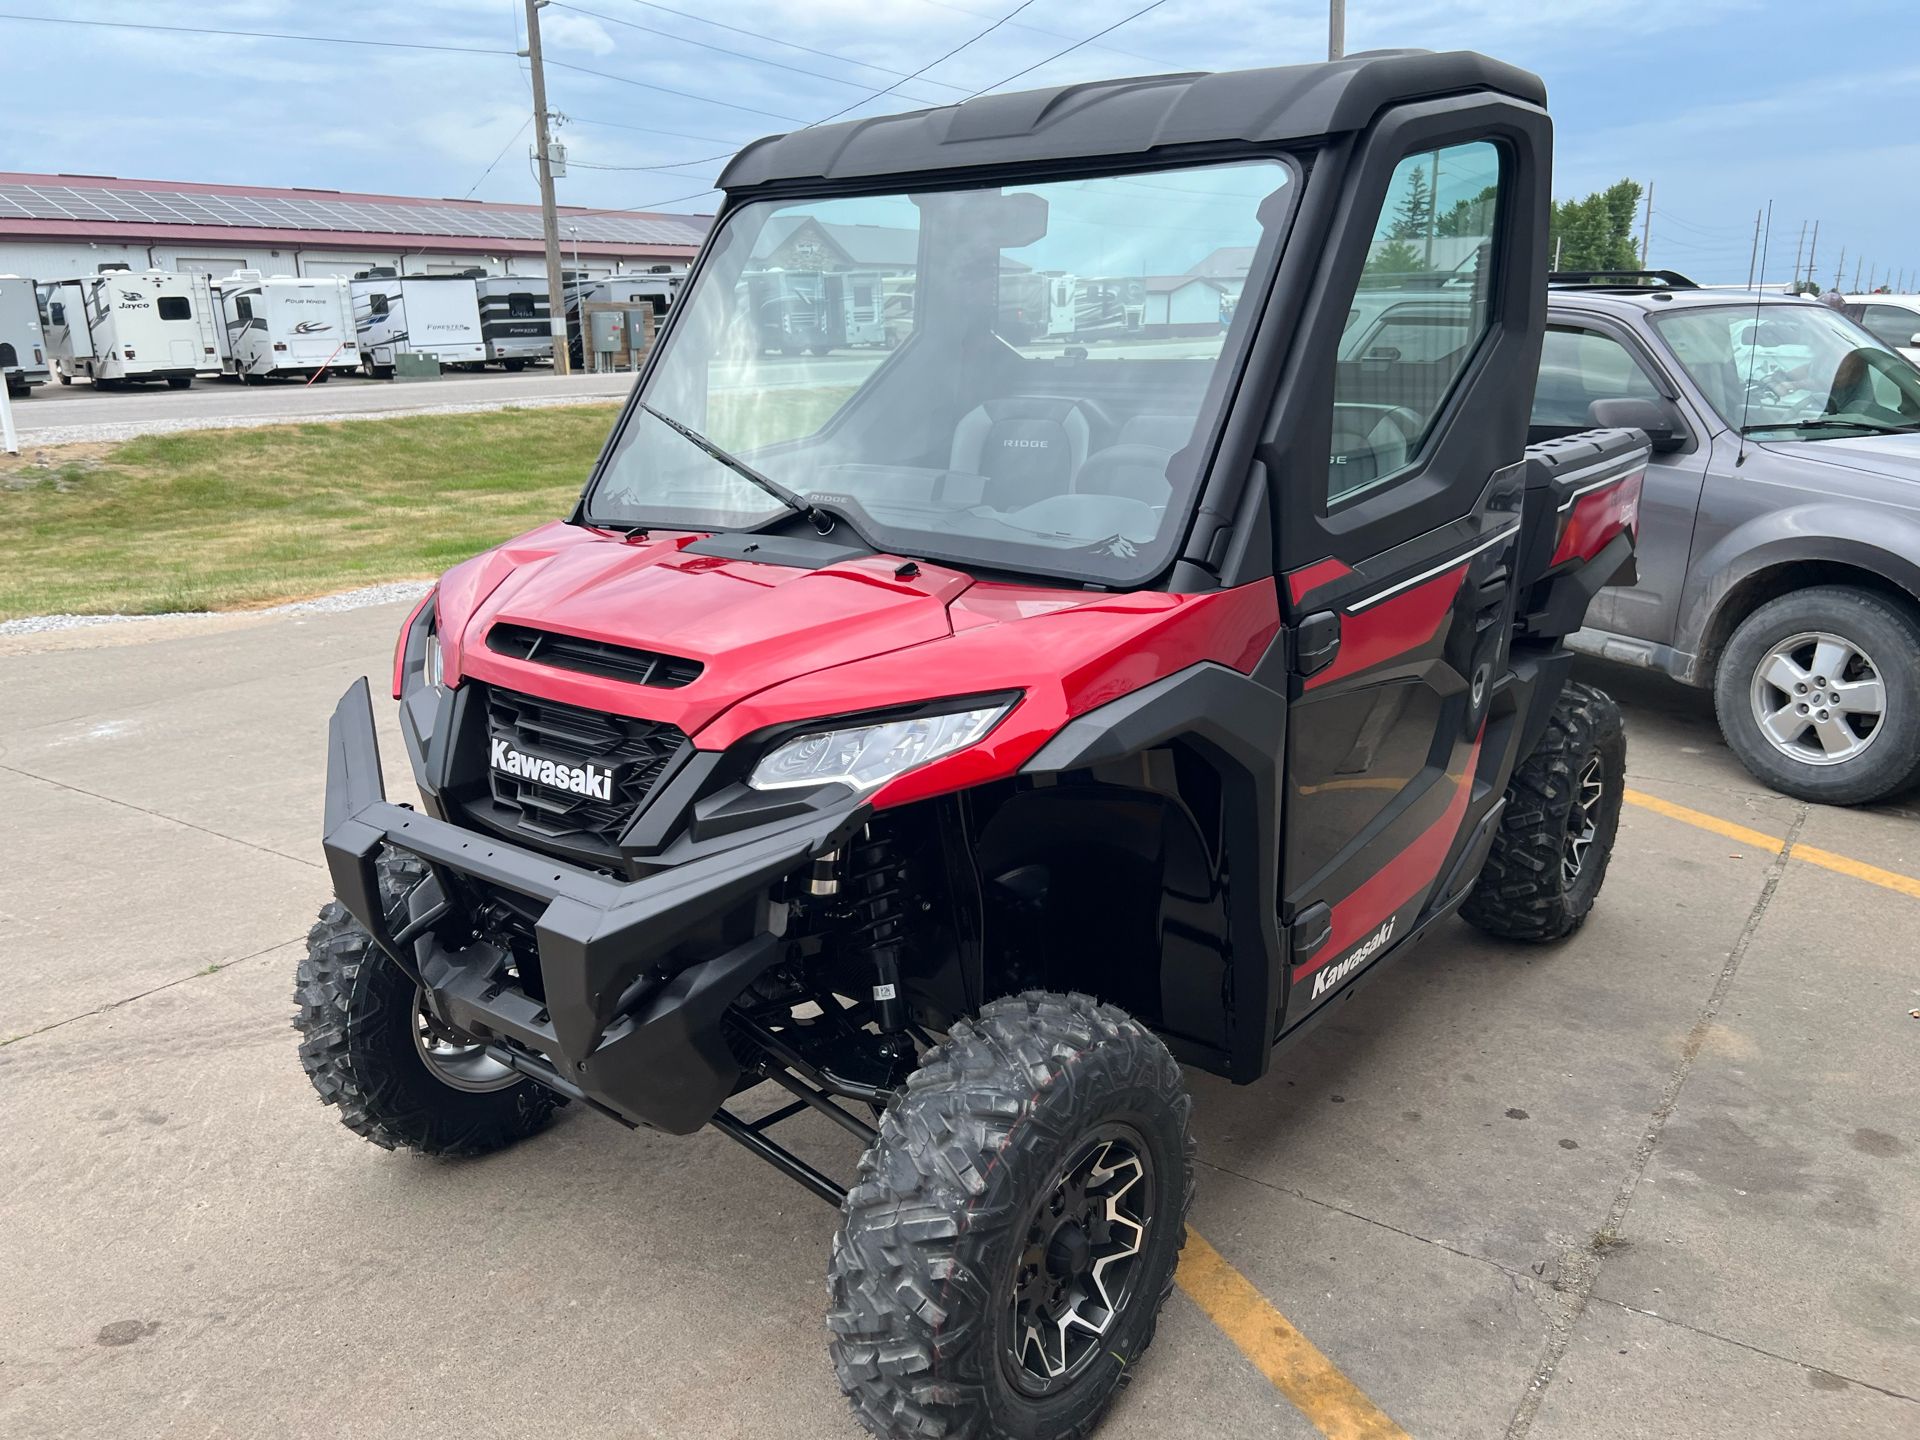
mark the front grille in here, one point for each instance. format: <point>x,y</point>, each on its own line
<point>593,657</point>
<point>636,751</point>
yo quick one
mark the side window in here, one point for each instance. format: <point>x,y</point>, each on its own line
<point>1426,285</point>
<point>56,313</point>
<point>243,307</point>
<point>1578,367</point>
<point>520,305</point>
<point>377,305</point>
<point>1891,325</point>
<point>174,307</point>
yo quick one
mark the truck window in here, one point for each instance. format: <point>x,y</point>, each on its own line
<point>1427,277</point>
<point>1891,325</point>
<point>520,305</point>
<point>174,307</point>
<point>1578,367</point>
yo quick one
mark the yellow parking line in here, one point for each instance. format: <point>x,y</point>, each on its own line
<point>1315,1386</point>
<point>1812,854</point>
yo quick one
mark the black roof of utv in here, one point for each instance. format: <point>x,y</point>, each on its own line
<point>1127,117</point>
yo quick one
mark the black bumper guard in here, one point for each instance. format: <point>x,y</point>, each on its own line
<point>626,1025</point>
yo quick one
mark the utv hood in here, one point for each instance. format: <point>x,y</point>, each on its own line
<point>748,625</point>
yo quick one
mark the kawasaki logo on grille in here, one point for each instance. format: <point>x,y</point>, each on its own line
<point>592,781</point>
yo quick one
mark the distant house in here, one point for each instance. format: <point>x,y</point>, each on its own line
<point>1184,305</point>
<point>800,242</point>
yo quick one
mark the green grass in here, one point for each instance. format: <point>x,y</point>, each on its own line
<point>226,519</point>
<point>223,519</point>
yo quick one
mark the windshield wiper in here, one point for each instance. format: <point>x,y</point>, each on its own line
<point>1827,422</point>
<point>734,463</point>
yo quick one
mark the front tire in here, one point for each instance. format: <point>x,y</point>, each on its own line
<point>399,1077</point>
<point>1847,737</point>
<point>1550,854</point>
<point>1002,1261</point>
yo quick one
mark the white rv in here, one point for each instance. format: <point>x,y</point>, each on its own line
<point>285,325</point>
<point>516,318</point>
<point>436,315</point>
<point>120,326</point>
<point>23,351</point>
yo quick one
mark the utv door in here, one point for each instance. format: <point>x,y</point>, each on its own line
<point>1400,499</point>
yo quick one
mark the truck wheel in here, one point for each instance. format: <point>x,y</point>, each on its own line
<point>65,379</point>
<point>399,1076</point>
<point>1818,693</point>
<point>1550,854</point>
<point>1002,1261</point>
<point>179,382</point>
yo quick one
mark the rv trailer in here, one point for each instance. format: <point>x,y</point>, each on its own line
<point>657,287</point>
<point>436,315</point>
<point>285,325</point>
<point>23,351</point>
<point>119,326</point>
<point>516,319</point>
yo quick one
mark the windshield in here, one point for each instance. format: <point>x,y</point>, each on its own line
<point>1801,370</point>
<point>1023,378</point>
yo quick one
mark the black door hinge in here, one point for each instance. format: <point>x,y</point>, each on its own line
<point>1316,641</point>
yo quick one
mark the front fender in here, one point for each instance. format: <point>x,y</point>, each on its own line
<point>1879,540</point>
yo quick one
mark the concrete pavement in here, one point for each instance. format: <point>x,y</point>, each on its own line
<point>1659,1181</point>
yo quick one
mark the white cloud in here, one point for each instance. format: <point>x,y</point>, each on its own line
<point>560,30</point>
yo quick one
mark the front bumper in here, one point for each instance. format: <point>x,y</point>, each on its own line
<point>637,975</point>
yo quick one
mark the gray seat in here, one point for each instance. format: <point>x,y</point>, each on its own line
<point>1164,432</point>
<point>1131,472</point>
<point>1027,447</point>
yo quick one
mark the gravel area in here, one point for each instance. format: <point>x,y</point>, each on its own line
<point>322,605</point>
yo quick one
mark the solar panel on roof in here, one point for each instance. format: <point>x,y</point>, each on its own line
<point>162,206</point>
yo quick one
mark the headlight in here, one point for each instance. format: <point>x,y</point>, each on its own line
<point>431,665</point>
<point>864,757</point>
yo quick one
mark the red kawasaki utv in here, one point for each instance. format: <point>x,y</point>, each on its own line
<point>960,731</point>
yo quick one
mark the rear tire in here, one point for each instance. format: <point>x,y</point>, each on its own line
<point>1550,854</point>
<point>179,382</point>
<point>1882,642</point>
<point>1036,1165</point>
<point>363,1046</point>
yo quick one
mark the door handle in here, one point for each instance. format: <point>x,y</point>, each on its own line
<point>1316,641</point>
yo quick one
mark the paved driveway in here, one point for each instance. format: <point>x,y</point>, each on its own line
<point>1659,1181</point>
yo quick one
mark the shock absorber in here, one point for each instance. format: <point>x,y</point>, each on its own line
<point>874,894</point>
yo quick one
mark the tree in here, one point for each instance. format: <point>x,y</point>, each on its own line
<point>1415,211</point>
<point>1395,257</point>
<point>1597,233</point>
<point>1470,217</point>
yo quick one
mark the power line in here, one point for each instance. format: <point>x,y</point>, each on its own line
<point>1042,30</point>
<point>1070,49</point>
<point>257,34</point>
<point>804,49</point>
<point>652,130</point>
<point>722,49</point>
<point>981,35</point>
<point>663,89</point>
<point>511,140</point>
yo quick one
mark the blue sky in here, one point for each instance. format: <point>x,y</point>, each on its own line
<point>1722,104</point>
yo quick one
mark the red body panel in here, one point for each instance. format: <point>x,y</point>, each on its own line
<point>781,645</point>
<point>1309,578</point>
<point>1387,891</point>
<point>1597,517</point>
<point>1394,627</point>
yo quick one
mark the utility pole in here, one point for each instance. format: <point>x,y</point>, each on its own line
<point>1556,250</point>
<point>1799,253</point>
<point>1336,29</point>
<point>1646,228</point>
<point>1812,250</point>
<point>1857,263</point>
<point>549,218</point>
<point>1840,269</point>
<point>1753,257</point>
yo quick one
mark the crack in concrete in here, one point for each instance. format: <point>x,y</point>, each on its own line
<point>201,974</point>
<point>1756,1349</point>
<point>160,815</point>
<point>1580,1269</point>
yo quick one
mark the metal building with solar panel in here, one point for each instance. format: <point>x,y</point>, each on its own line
<point>56,225</point>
